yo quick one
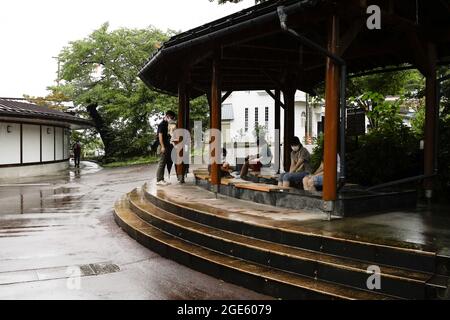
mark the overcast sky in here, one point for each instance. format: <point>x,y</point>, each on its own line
<point>34,31</point>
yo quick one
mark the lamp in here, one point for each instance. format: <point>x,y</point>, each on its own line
<point>9,129</point>
<point>49,130</point>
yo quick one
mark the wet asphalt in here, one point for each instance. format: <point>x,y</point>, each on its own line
<point>58,240</point>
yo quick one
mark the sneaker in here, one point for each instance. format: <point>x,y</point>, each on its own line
<point>162,183</point>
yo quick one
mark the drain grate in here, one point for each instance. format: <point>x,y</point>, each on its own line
<point>95,269</point>
<point>53,273</point>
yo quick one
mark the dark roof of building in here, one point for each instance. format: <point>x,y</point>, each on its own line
<point>20,108</point>
<point>256,55</point>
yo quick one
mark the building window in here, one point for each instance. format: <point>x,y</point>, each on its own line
<point>266,116</point>
<point>246,119</point>
<point>303,119</point>
<point>256,117</point>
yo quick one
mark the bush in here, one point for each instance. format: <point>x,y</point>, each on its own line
<point>317,154</point>
<point>384,156</point>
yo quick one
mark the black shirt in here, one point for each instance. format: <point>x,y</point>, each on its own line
<point>163,128</point>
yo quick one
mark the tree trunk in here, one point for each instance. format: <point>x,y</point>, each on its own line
<point>104,130</point>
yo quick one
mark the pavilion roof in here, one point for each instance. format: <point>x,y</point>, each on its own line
<point>256,55</point>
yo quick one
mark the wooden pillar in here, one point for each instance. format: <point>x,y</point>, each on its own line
<point>289,125</point>
<point>216,104</point>
<point>430,120</point>
<point>331,119</point>
<point>277,127</point>
<point>183,106</point>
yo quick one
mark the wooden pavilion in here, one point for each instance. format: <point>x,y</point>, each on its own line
<point>291,45</point>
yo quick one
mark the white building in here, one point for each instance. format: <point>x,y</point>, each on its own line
<point>34,140</point>
<point>243,111</point>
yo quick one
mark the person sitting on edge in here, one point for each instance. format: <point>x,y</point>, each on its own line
<point>225,168</point>
<point>263,159</point>
<point>300,166</point>
<point>314,182</point>
<point>165,147</point>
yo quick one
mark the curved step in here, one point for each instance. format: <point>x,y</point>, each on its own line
<point>260,278</point>
<point>214,216</point>
<point>397,282</point>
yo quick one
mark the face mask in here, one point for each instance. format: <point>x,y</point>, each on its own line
<point>295,148</point>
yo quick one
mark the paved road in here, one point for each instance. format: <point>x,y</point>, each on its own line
<point>58,240</point>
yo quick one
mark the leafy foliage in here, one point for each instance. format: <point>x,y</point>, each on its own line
<point>386,84</point>
<point>384,155</point>
<point>100,76</point>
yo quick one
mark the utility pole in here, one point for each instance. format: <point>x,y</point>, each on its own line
<point>58,78</point>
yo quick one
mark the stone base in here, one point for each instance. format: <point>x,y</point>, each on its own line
<point>351,201</point>
<point>10,173</point>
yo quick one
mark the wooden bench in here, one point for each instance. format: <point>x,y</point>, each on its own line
<point>202,176</point>
<point>260,187</point>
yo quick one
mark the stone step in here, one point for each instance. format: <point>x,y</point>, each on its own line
<point>267,280</point>
<point>397,282</point>
<point>208,210</point>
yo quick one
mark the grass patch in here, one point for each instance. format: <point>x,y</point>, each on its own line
<point>132,162</point>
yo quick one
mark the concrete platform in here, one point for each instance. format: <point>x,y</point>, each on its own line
<point>422,228</point>
<point>265,241</point>
<point>352,199</point>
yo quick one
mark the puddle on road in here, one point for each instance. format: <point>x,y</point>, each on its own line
<point>37,199</point>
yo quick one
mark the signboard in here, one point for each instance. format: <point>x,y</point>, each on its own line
<point>356,122</point>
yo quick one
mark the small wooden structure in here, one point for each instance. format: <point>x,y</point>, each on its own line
<point>295,45</point>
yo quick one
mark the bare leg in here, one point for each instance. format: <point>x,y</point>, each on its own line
<point>286,184</point>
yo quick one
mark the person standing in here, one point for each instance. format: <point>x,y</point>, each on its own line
<point>77,153</point>
<point>165,147</point>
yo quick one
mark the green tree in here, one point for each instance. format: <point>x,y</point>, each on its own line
<point>406,82</point>
<point>99,74</point>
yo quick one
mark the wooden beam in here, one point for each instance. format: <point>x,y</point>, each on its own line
<point>350,35</point>
<point>419,53</point>
<point>216,103</point>
<point>276,82</point>
<point>445,4</point>
<point>331,120</point>
<point>276,98</point>
<point>226,95</point>
<point>183,106</point>
<point>289,125</point>
<point>430,120</point>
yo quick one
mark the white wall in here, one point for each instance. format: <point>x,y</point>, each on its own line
<point>66,143</point>
<point>260,99</point>
<point>31,143</point>
<point>59,144</point>
<point>9,143</point>
<point>48,143</point>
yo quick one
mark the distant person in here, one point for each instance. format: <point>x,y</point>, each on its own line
<point>165,148</point>
<point>256,162</point>
<point>77,153</point>
<point>225,168</point>
<point>300,165</point>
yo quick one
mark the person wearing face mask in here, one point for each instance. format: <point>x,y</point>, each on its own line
<point>165,147</point>
<point>300,165</point>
